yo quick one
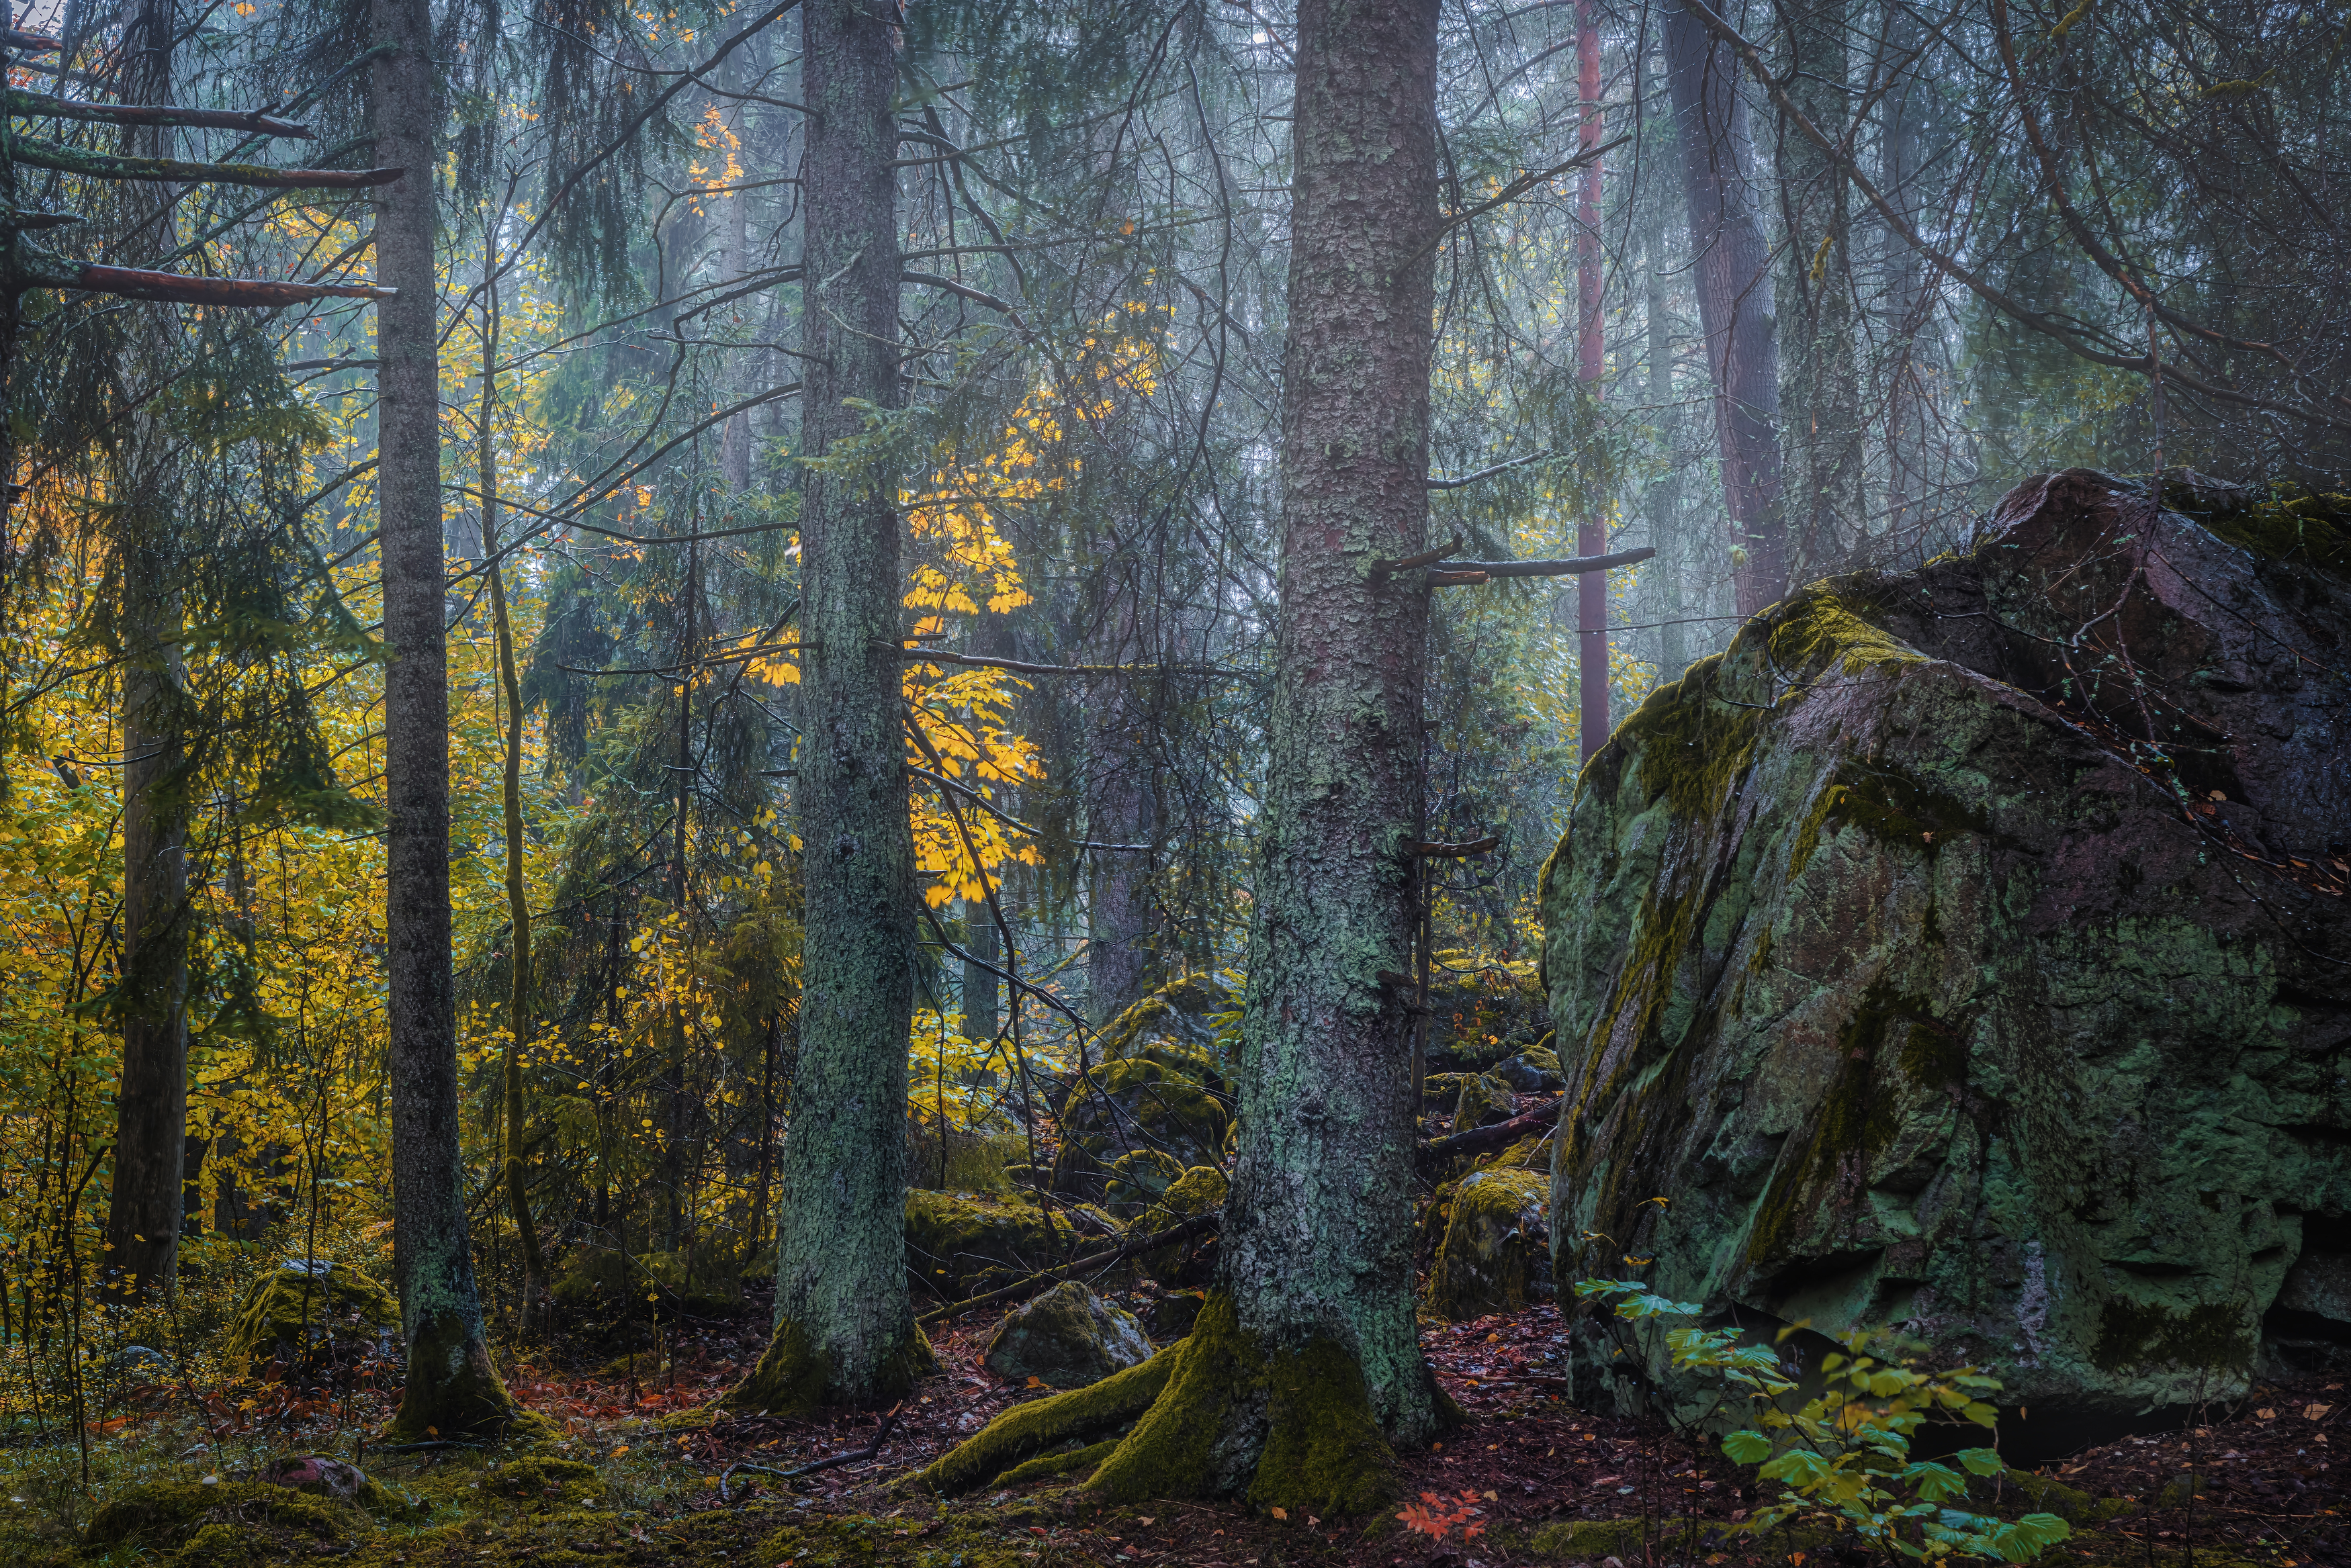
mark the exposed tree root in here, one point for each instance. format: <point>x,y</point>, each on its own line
<point>1214,1415</point>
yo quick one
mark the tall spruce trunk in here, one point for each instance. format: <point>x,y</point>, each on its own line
<point>1734,300</point>
<point>451,1387</point>
<point>844,1325</point>
<point>1305,1365</point>
<point>146,1208</point>
<point>1825,508</point>
<point>1316,1249</point>
<point>1122,962</point>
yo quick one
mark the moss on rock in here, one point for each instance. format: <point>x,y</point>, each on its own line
<point>170,1516</point>
<point>300,1312</point>
<point>962,1246</point>
<point>1067,1337</point>
<point>1496,1252</point>
<point>1927,983</point>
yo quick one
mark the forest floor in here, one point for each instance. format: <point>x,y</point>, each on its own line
<point>1528,1478</point>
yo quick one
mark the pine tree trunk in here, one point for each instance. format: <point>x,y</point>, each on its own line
<point>451,1385</point>
<point>144,1209</point>
<point>1305,1365</point>
<point>844,1325</point>
<point>1825,505</point>
<point>1734,300</point>
<point>143,1214</point>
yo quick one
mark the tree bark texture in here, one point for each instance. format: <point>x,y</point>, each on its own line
<point>844,1325</point>
<point>1592,530</point>
<point>1304,1366</point>
<point>145,1207</point>
<point>1734,298</point>
<point>1317,1238</point>
<point>452,1387</point>
<point>143,1214</point>
<point>1122,962</point>
<point>1822,394</point>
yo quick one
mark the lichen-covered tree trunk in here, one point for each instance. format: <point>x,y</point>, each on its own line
<point>1305,1366</point>
<point>451,1385</point>
<point>844,1325</point>
<point>1734,300</point>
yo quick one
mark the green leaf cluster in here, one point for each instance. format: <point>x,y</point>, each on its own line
<point>1842,1457</point>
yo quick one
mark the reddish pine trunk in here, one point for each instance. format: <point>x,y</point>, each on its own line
<point>1734,299</point>
<point>1592,534</point>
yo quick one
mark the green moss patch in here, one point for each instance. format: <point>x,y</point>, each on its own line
<point>296,1313</point>
<point>1027,1430</point>
<point>170,1515</point>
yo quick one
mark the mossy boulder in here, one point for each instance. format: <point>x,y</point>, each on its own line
<point>1496,1252</point>
<point>1197,1192</point>
<point>300,1314</point>
<point>600,1287</point>
<point>959,1246</point>
<point>1175,1026</point>
<point>1969,950</point>
<point>1484,1099</point>
<point>1067,1337</point>
<point>1140,1105</point>
<point>221,1523</point>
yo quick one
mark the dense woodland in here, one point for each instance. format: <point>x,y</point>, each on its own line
<point>661,665</point>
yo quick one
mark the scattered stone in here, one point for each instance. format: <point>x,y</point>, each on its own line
<point>1198,1190</point>
<point>1067,1337</point>
<point>317,1475</point>
<point>1170,1317</point>
<point>1534,1072</point>
<point>1159,1090</point>
<point>138,1361</point>
<point>1485,1099</point>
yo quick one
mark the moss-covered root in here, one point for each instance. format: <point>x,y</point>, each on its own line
<point>453,1390</point>
<point>794,1376</point>
<point>1295,1428</point>
<point>1027,1430</point>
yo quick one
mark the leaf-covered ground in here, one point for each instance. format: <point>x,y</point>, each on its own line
<point>1527,1480</point>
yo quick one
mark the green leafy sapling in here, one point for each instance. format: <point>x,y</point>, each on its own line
<point>1842,1457</point>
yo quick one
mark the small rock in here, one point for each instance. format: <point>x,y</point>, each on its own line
<point>316,1474</point>
<point>138,1361</point>
<point>1067,1338</point>
<point>1530,1072</point>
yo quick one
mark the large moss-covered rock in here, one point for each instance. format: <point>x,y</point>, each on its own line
<point>1496,1252</point>
<point>1969,950</point>
<point>958,1246</point>
<point>1067,1337</point>
<point>300,1314</point>
<point>1154,1106</point>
